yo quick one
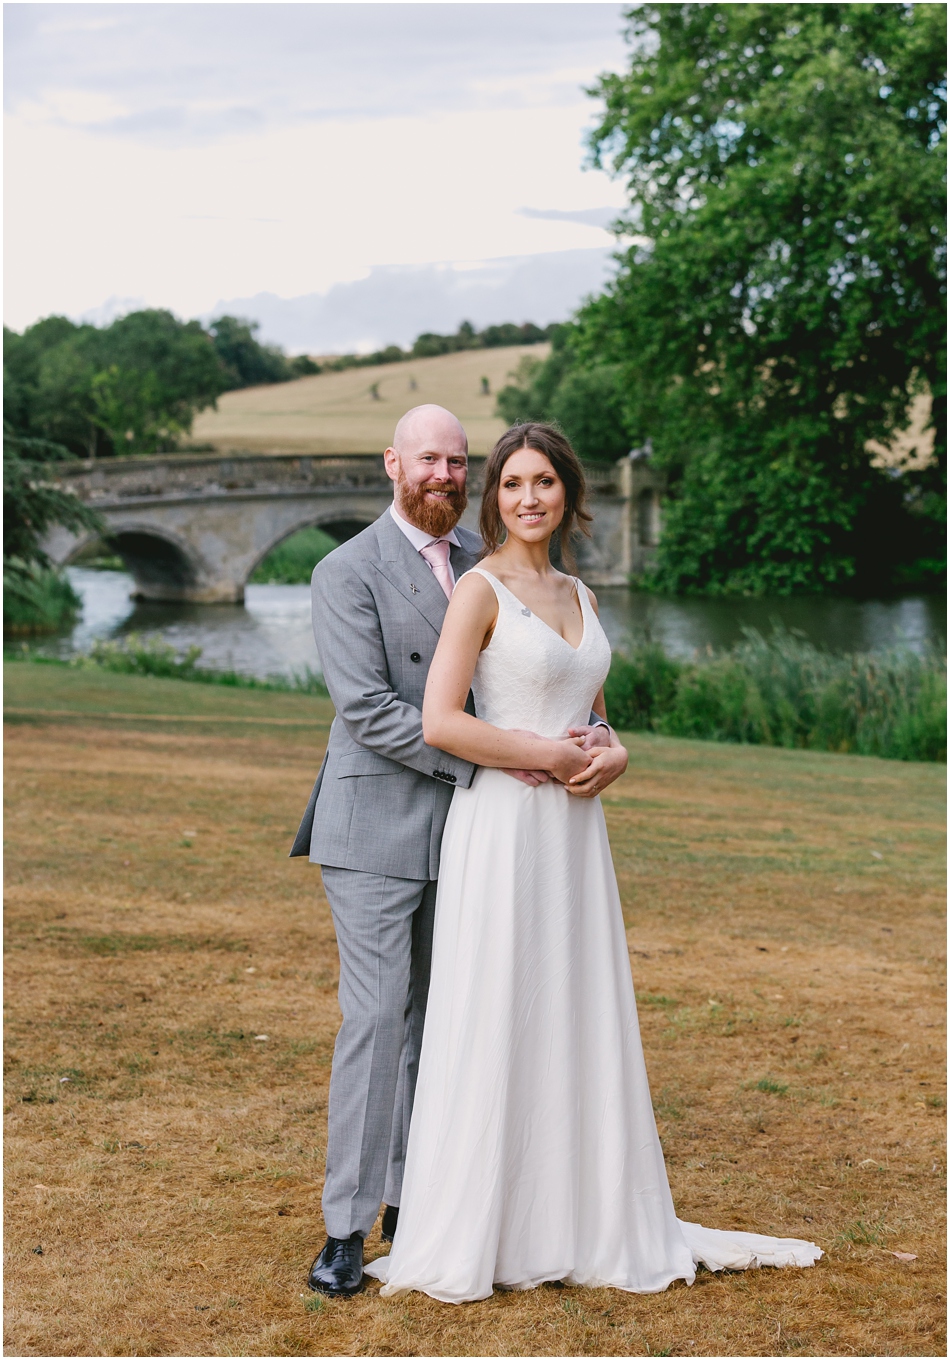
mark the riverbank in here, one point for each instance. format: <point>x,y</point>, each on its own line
<point>271,633</point>
<point>171,1010</point>
<point>779,691</point>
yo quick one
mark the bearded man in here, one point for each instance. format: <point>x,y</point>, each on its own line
<point>375,818</point>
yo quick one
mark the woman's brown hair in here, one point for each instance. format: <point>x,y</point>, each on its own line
<point>549,441</point>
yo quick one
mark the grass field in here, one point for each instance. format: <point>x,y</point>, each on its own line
<point>337,413</point>
<point>170,1014</point>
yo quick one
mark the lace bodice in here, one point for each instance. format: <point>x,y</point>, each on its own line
<point>529,677</point>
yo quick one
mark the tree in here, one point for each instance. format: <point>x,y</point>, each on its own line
<point>162,371</point>
<point>246,361</point>
<point>36,597</point>
<point>133,387</point>
<point>585,399</point>
<point>47,394</point>
<point>33,501</point>
<point>786,163</point>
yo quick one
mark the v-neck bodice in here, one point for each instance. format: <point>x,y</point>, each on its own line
<point>529,676</point>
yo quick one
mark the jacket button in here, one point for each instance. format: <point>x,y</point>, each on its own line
<point>414,656</point>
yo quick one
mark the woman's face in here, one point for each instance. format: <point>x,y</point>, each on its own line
<point>531,497</point>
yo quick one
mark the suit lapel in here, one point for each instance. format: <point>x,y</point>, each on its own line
<point>409,572</point>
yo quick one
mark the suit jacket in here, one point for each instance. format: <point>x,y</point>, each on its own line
<point>382,795</point>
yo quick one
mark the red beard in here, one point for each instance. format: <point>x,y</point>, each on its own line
<point>432,517</point>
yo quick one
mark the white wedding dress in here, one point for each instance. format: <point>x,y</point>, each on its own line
<point>533,1153</point>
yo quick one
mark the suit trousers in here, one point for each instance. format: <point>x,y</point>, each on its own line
<point>384,935</point>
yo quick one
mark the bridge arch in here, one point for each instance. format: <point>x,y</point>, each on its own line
<point>339,525</point>
<point>163,565</point>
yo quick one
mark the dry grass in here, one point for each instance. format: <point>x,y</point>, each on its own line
<point>168,1162</point>
<point>336,412</point>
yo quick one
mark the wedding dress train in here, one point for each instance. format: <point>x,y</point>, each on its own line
<point>533,1153</point>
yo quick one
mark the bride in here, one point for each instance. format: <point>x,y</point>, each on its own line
<point>533,1153</point>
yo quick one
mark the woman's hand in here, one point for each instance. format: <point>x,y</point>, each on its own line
<point>608,763</point>
<point>567,760</point>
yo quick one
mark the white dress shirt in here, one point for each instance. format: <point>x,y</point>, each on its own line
<point>420,539</point>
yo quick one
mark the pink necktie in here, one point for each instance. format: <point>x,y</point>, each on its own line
<point>437,556</point>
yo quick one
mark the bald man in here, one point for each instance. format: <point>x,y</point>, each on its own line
<point>375,818</point>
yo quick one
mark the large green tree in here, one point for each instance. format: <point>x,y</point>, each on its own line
<point>784,301</point>
<point>131,387</point>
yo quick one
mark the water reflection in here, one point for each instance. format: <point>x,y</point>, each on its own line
<point>270,633</point>
<point>685,625</point>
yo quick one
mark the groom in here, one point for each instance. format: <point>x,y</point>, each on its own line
<point>375,817</point>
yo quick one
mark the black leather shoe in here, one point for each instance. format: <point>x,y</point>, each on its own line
<point>338,1270</point>
<point>390,1219</point>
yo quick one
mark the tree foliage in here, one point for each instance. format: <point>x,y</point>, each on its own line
<point>787,162</point>
<point>248,363</point>
<point>784,298</point>
<point>134,386</point>
<point>585,399</point>
<point>33,501</point>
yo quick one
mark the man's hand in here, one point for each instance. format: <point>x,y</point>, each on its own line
<point>594,736</point>
<point>530,777</point>
<point>608,763</point>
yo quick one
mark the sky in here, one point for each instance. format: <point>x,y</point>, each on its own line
<point>187,155</point>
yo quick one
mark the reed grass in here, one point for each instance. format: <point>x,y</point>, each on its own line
<point>784,691</point>
<point>149,654</point>
<point>37,600</point>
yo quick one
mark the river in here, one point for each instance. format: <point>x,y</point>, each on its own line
<point>270,634</point>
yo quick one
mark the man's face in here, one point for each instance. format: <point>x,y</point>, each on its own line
<point>430,468</point>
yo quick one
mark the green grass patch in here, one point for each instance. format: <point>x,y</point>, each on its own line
<point>862,1234</point>
<point>771,1086</point>
<point>118,943</point>
<point>33,688</point>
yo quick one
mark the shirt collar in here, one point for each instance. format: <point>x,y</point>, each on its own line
<point>418,537</point>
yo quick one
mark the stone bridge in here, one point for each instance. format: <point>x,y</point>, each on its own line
<point>194,527</point>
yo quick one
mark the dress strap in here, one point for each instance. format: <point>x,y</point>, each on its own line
<point>494,582</point>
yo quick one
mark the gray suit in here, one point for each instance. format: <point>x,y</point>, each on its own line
<point>374,822</point>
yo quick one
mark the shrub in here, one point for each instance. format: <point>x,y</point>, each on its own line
<point>151,655</point>
<point>641,687</point>
<point>292,562</point>
<point>783,691</point>
<point>37,599</point>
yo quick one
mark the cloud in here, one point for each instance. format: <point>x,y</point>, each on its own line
<point>181,74</point>
<point>180,153</point>
<point>395,304</point>
<point>289,211</point>
<point>588,217</point>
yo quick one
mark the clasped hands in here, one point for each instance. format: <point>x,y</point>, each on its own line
<point>589,758</point>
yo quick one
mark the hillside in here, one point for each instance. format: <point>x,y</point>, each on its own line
<point>337,412</point>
